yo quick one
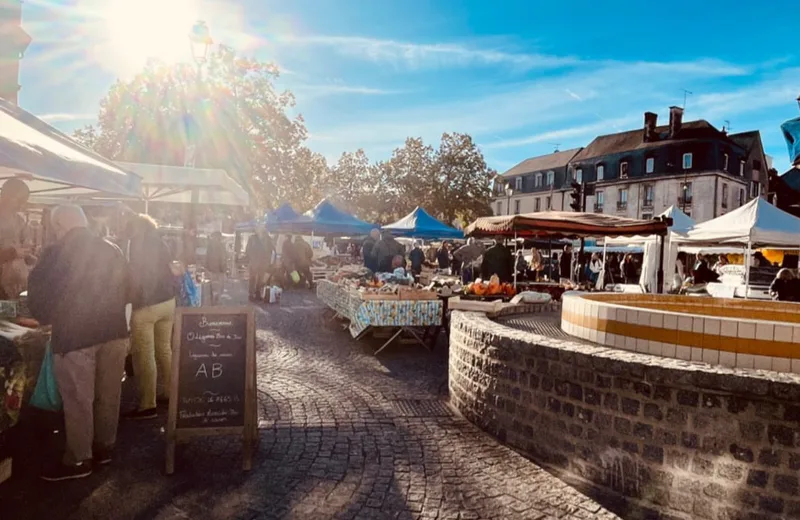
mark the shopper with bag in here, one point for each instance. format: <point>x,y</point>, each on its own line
<point>153,300</point>
<point>80,287</point>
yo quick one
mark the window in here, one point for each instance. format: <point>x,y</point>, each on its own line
<point>516,207</point>
<point>724,195</point>
<point>536,204</point>
<point>687,161</point>
<point>741,168</point>
<point>650,165</point>
<point>622,200</point>
<point>599,199</point>
<point>649,195</point>
<point>741,197</point>
<point>550,178</point>
<point>499,208</point>
<point>623,170</point>
<point>538,180</point>
<point>647,216</point>
<point>756,165</point>
<point>725,162</point>
<point>547,204</point>
<point>579,176</point>
<point>755,189</point>
<point>518,184</point>
<point>601,172</point>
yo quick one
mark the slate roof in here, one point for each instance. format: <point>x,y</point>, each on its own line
<point>632,140</point>
<point>542,163</point>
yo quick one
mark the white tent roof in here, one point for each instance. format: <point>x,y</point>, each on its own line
<point>175,184</point>
<point>681,224</point>
<point>757,222</point>
<point>52,164</point>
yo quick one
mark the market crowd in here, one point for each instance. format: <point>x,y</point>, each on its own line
<point>103,301</point>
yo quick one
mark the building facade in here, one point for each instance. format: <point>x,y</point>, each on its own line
<point>13,43</point>
<point>641,173</point>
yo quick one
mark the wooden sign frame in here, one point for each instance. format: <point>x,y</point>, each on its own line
<point>249,431</point>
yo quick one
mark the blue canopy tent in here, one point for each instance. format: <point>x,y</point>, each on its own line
<point>420,224</point>
<point>327,219</point>
<point>285,220</point>
<point>55,166</point>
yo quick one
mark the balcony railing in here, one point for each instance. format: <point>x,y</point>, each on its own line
<point>688,200</point>
<point>598,208</point>
<point>647,204</point>
<point>622,206</point>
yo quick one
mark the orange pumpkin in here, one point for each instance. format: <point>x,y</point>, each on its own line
<point>479,289</point>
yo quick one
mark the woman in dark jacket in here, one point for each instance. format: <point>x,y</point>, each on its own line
<point>785,287</point>
<point>153,302</point>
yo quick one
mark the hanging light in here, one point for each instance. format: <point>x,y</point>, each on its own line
<point>509,189</point>
<point>200,39</point>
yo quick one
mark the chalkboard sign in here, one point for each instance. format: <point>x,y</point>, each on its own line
<point>213,376</point>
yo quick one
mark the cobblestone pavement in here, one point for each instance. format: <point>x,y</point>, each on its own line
<point>343,435</point>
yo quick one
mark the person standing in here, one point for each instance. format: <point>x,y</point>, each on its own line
<point>469,255</point>
<point>595,267</point>
<point>385,251</point>
<point>565,265</point>
<point>153,303</point>
<point>368,250</point>
<point>216,264</point>
<point>629,270</point>
<point>443,257</point>
<point>80,287</point>
<point>258,260</point>
<point>304,256</point>
<point>13,237</point>
<point>498,260</point>
<point>417,258</point>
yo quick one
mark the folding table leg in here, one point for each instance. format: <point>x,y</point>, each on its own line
<point>399,331</point>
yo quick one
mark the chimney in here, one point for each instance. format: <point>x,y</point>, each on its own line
<point>675,120</point>
<point>650,123</point>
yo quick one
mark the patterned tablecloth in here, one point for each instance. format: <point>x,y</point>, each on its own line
<point>378,313</point>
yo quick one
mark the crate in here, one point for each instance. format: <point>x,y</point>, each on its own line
<point>379,296</point>
<point>457,304</point>
<point>414,294</point>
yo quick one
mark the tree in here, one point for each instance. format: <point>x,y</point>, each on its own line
<point>234,114</point>
<point>461,185</point>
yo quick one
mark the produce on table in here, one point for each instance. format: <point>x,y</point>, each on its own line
<point>492,288</point>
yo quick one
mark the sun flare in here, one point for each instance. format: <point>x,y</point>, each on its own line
<point>137,30</point>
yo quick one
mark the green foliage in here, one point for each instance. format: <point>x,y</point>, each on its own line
<point>242,124</point>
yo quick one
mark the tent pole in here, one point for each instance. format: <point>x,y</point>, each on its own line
<point>605,266</point>
<point>660,274</point>
<point>515,260</point>
<point>747,270</point>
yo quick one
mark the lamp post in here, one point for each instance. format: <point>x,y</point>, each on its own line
<point>509,193</point>
<point>200,42</point>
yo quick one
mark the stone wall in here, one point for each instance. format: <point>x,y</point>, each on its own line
<point>667,438</point>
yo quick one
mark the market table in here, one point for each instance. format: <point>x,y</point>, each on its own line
<point>363,314</point>
<point>555,290</point>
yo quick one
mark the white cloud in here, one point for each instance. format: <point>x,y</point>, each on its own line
<point>328,89</point>
<point>65,117</point>
<point>428,55</point>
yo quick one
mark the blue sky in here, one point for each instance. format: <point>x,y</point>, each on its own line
<point>520,76</point>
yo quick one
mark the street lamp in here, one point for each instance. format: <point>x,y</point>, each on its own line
<point>200,40</point>
<point>509,193</point>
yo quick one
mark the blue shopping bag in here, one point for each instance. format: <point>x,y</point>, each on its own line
<point>46,395</point>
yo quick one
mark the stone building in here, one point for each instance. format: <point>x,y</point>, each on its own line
<point>13,43</point>
<point>640,173</point>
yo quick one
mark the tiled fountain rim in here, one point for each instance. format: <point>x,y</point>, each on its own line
<point>654,369</point>
<point>598,298</point>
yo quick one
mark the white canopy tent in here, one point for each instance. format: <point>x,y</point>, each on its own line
<point>53,165</point>
<point>681,225</point>
<point>757,223</point>
<point>187,185</point>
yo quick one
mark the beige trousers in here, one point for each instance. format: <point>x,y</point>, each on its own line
<point>151,350</point>
<point>90,382</point>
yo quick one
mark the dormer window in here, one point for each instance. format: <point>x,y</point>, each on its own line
<point>741,168</point>
<point>579,176</point>
<point>649,165</point>
<point>623,170</point>
<point>518,184</point>
<point>601,172</point>
<point>537,182</point>
<point>687,161</point>
<point>550,178</point>
<point>724,162</point>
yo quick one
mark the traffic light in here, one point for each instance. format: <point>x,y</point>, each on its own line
<point>577,198</point>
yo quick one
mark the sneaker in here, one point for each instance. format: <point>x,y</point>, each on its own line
<point>101,456</point>
<point>67,472</point>
<point>150,413</point>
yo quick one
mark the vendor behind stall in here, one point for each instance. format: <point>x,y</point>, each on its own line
<point>13,235</point>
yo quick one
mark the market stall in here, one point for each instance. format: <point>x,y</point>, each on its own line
<point>355,296</point>
<point>756,224</point>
